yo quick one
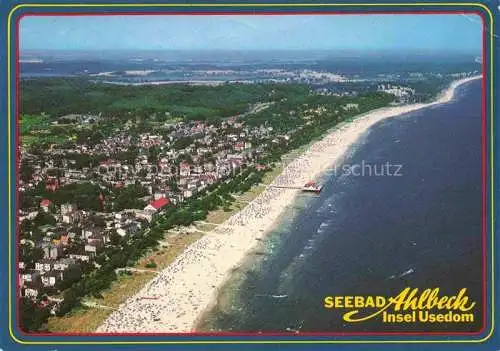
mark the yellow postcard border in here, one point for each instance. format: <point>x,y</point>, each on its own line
<point>246,5</point>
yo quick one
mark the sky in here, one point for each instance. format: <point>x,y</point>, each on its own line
<point>424,32</point>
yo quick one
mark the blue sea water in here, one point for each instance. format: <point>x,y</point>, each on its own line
<point>373,235</point>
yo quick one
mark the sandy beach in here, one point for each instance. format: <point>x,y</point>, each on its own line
<point>175,298</point>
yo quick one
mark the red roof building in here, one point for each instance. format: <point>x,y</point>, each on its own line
<point>45,203</point>
<point>157,204</point>
<point>64,239</point>
<point>52,184</point>
<point>240,146</point>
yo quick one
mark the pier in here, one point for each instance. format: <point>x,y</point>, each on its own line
<point>308,187</point>
<point>286,187</point>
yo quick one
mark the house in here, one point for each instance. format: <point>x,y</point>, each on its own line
<point>184,169</point>
<point>67,208</point>
<point>80,257</point>
<point>32,276</point>
<point>68,213</point>
<point>88,231</point>
<point>31,290</point>
<point>198,169</point>
<point>44,265</point>
<point>208,166</point>
<point>96,240</point>
<point>156,205</point>
<point>109,166</point>
<point>68,218</point>
<point>91,250</point>
<point>30,216</point>
<point>130,228</point>
<point>52,185</point>
<point>51,278</point>
<point>45,204</point>
<point>64,240</point>
<point>63,263</point>
<point>207,179</point>
<point>141,214</point>
<point>157,196</point>
<point>240,146</point>
<point>52,251</point>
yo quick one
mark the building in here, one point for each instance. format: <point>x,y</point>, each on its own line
<point>80,257</point>
<point>45,204</point>
<point>129,229</point>
<point>141,214</point>
<point>32,276</point>
<point>67,208</point>
<point>184,169</point>
<point>63,264</point>
<point>68,213</point>
<point>44,265</point>
<point>52,251</point>
<point>31,290</point>
<point>91,250</point>
<point>50,279</point>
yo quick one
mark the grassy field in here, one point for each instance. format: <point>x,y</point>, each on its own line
<point>87,319</point>
<point>173,245</point>
<point>81,320</point>
<point>37,129</point>
<point>123,288</point>
<point>28,123</point>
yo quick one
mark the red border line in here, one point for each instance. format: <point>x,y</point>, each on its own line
<point>267,13</point>
<point>244,13</point>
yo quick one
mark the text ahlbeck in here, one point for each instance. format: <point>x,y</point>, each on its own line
<point>405,305</point>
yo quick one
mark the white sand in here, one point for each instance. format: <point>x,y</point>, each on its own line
<point>176,297</point>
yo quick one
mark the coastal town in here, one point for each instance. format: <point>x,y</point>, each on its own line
<point>83,199</point>
<point>129,191</point>
<point>95,203</point>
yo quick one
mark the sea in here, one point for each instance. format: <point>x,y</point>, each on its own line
<point>412,218</point>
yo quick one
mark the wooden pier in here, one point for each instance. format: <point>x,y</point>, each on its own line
<point>286,187</point>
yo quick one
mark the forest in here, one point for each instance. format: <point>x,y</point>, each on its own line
<point>57,97</point>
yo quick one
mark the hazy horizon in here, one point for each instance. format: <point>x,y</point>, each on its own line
<point>228,54</point>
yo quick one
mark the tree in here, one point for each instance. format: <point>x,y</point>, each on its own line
<point>72,274</point>
<point>32,318</point>
<point>129,197</point>
<point>115,238</point>
<point>98,220</point>
<point>153,154</point>
<point>29,254</point>
<point>26,171</point>
<point>184,158</point>
<point>70,299</point>
<point>43,218</point>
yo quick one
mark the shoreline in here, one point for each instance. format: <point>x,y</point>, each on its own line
<point>176,299</point>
